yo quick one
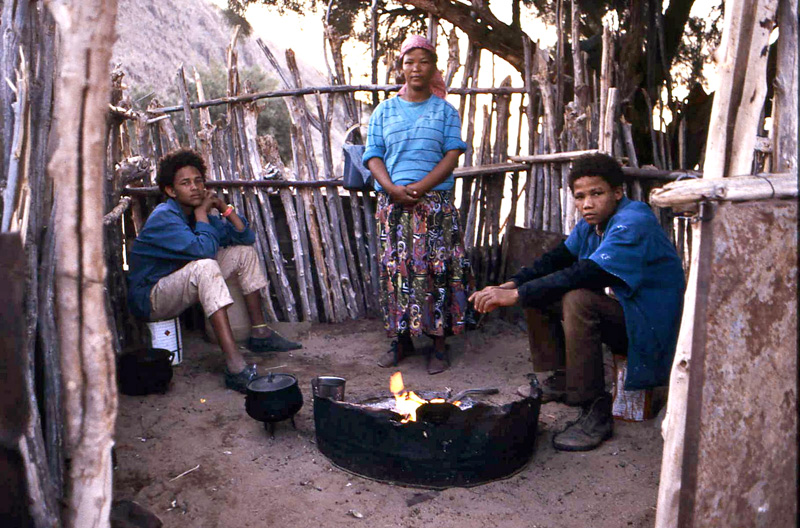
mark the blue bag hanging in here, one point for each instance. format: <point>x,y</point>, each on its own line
<point>356,176</point>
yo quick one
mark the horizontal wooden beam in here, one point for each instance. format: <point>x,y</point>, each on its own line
<point>638,173</point>
<point>493,168</point>
<point>460,172</point>
<point>249,98</point>
<point>657,174</point>
<point>736,188</point>
<point>553,158</point>
<point>269,184</point>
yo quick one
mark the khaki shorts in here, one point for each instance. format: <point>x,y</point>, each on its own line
<point>204,280</point>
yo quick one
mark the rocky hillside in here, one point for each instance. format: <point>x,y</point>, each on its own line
<point>157,36</point>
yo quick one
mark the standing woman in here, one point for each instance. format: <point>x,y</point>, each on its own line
<point>413,145</point>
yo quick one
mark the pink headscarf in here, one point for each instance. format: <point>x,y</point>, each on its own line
<point>438,87</point>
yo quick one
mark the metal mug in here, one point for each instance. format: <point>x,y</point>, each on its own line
<point>331,387</point>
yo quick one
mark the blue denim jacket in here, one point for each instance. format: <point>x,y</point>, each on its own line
<point>168,241</point>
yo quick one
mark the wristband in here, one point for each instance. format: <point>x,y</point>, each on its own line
<point>227,212</point>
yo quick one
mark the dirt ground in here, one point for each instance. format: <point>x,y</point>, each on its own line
<point>245,478</point>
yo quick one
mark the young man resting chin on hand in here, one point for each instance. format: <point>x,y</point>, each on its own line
<point>184,254</point>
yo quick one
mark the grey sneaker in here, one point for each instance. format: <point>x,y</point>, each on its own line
<point>239,381</point>
<point>274,343</point>
<point>592,428</point>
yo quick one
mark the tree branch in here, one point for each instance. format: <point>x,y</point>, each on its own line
<point>499,38</point>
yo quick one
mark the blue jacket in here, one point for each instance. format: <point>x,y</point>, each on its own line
<point>169,240</point>
<point>635,249</point>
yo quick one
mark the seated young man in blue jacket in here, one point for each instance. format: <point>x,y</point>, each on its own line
<point>184,254</point>
<point>617,280</point>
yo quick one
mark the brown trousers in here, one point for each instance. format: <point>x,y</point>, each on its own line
<point>569,336</point>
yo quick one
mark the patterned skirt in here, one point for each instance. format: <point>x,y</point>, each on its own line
<point>425,275</point>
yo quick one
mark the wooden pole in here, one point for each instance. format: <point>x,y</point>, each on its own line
<point>433,26</point>
<point>530,183</point>
<point>268,147</point>
<point>729,150</point>
<point>14,26</point>
<point>351,286</point>
<point>471,69</point>
<point>250,115</point>
<point>187,111</point>
<point>373,31</point>
<point>542,189</point>
<point>310,90</point>
<point>581,89</point>
<point>607,128</point>
<point>360,275</point>
<point>305,170</point>
<point>657,160</point>
<point>605,84</point>
<point>557,157</point>
<point>559,65</point>
<point>308,213</point>
<point>734,189</point>
<point>206,131</point>
<point>742,88</point>
<point>784,103</point>
<point>12,211</point>
<point>370,299</point>
<point>340,286</point>
<point>633,160</point>
<point>239,157</point>
<point>87,34</point>
<point>41,235</point>
<point>453,61</point>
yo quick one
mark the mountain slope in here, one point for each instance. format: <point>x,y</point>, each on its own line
<point>157,36</point>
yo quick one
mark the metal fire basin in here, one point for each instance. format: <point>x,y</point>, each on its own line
<point>478,444</point>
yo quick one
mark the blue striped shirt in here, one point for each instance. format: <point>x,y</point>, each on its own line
<point>412,138</point>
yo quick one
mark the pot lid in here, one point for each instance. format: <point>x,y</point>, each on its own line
<point>272,382</point>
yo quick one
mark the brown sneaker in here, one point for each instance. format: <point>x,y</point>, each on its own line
<point>592,428</point>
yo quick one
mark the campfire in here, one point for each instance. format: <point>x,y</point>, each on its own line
<point>427,439</point>
<point>406,402</point>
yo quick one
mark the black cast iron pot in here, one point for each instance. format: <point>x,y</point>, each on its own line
<point>273,398</point>
<point>144,371</point>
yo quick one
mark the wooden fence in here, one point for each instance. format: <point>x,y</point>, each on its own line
<point>318,242</point>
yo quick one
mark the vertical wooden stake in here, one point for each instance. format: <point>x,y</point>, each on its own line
<point>90,398</point>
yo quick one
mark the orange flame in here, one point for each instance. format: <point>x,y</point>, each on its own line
<point>406,402</point>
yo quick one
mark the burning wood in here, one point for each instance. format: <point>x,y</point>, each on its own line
<point>407,402</point>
